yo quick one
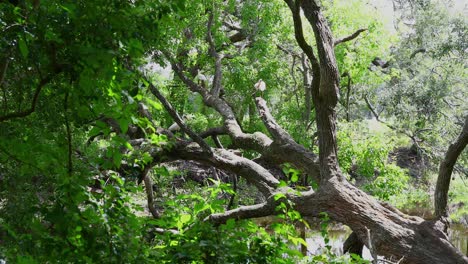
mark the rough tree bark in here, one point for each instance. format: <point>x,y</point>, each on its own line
<point>393,234</point>
<point>445,172</point>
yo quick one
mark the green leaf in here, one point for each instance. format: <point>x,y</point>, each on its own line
<point>294,177</point>
<point>117,158</point>
<point>154,104</point>
<point>279,196</point>
<point>230,223</point>
<point>23,48</point>
<point>124,123</point>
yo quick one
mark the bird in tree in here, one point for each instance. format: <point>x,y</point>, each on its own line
<point>260,86</point>
<point>201,79</point>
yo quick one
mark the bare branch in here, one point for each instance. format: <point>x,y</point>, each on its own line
<point>180,70</point>
<point>348,94</point>
<point>277,132</point>
<point>256,141</point>
<point>3,70</point>
<point>307,88</point>
<point>287,51</point>
<point>217,141</point>
<point>374,113</point>
<point>350,37</point>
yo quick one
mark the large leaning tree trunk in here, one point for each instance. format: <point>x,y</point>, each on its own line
<point>381,227</point>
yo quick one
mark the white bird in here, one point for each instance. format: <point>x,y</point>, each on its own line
<point>174,127</point>
<point>260,86</point>
<point>201,79</point>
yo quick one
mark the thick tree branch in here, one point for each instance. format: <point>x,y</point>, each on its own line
<point>256,141</point>
<point>222,159</point>
<point>294,6</point>
<point>276,131</point>
<point>329,75</point>
<point>350,37</point>
<point>243,212</point>
<point>284,143</point>
<point>446,169</point>
<point>173,113</point>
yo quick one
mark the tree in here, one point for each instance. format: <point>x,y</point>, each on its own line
<point>193,41</point>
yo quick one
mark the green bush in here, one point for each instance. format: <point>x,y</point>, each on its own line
<point>363,150</point>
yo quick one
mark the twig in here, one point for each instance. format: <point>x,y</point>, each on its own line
<point>216,88</point>
<point>420,50</point>
<point>350,37</point>
<point>69,135</point>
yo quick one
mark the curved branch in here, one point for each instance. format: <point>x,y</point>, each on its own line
<point>294,6</point>
<point>149,194</point>
<point>350,37</point>
<point>256,141</point>
<point>276,131</point>
<point>224,159</point>
<point>446,169</point>
<point>420,50</point>
<point>25,113</point>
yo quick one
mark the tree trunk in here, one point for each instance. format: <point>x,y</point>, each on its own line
<point>446,169</point>
<point>393,234</point>
<point>353,245</point>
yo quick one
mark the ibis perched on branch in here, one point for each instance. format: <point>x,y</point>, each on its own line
<point>260,86</point>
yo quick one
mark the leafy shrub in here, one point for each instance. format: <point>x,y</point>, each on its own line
<point>363,153</point>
